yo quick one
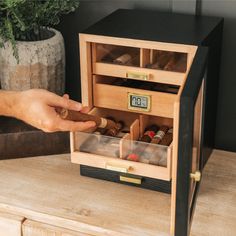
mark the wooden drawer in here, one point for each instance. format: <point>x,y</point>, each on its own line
<point>34,228</point>
<point>111,153</point>
<point>139,63</point>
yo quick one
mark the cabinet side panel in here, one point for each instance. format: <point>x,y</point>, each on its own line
<point>86,71</point>
<point>213,42</point>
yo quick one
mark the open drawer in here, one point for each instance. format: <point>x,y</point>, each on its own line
<point>124,154</point>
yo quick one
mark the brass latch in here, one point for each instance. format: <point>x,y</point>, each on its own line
<point>196,176</point>
<point>130,179</point>
<point>118,168</point>
<point>137,75</point>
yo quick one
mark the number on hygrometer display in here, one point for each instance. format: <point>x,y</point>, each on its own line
<point>139,101</point>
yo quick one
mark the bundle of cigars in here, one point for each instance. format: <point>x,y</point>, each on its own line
<point>169,61</point>
<point>147,151</point>
<point>120,56</point>
<point>163,60</point>
<point>105,139</point>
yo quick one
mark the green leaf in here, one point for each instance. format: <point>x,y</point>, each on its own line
<point>23,19</point>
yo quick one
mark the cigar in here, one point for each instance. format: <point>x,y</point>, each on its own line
<point>115,130</point>
<point>146,138</point>
<point>181,63</point>
<point>149,134</point>
<point>160,134</point>
<point>78,116</point>
<point>121,134</point>
<point>155,65</point>
<point>162,60</point>
<point>171,63</point>
<point>151,149</point>
<point>110,55</point>
<point>100,131</point>
<point>159,157</point>
<point>123,59</point>
<point>167,139</point>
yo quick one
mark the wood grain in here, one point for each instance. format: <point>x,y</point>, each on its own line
<point>80,204</point>
<point>10,225</point>
<point>51,190</point>
<point>215,212</point>
<point>34,228</point>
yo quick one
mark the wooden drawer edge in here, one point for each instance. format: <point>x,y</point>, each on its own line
<point>136,168</point>
<point>159,76</point>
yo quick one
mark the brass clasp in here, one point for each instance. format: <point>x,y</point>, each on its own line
<point>137,75</point>
<point>196,176</point>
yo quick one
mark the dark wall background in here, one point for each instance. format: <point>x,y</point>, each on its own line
<point>91,11</point>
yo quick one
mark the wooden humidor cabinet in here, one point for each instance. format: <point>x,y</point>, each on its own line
<point>146,75</point>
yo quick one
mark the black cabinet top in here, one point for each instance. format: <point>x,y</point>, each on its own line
<point>156,26</point>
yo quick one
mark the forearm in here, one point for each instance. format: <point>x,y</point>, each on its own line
<point>8,102</point>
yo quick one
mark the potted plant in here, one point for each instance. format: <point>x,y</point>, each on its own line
<point>31,52</point>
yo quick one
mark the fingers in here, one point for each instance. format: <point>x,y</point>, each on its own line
<point>65,102</point>
<point>65,125</point>
<point>66,96</point>
<point>85,110</point>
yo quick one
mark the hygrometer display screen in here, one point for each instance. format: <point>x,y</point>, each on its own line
<point>139,102</point>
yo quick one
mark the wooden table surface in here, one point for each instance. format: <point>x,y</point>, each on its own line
<point>50,190</point>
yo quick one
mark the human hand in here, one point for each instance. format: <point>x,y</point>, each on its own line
<point>37,107</point>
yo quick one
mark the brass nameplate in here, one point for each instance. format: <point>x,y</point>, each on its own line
<point>130,180</point>
<point>138,75</point>
<point>139,102</point>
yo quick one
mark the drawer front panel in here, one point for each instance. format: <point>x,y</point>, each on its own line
<point>115,97</point>
<point>119,165</point>
<point>166,77</point>
<point>114,176</point>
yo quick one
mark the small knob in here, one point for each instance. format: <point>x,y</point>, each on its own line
<point>196,176</point>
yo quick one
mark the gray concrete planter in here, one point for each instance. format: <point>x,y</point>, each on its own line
<point>41,65</point>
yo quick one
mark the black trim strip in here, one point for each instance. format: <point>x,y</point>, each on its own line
<point>186,116</point>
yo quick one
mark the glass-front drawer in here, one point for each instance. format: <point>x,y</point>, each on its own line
<point>142,146</point>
